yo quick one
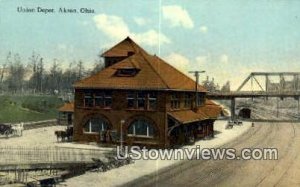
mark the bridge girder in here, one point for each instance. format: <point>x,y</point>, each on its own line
<point>267,83</point>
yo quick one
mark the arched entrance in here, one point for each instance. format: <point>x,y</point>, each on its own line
<point>245,113</point>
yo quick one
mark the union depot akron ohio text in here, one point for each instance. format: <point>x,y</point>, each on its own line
<point>149,101</point>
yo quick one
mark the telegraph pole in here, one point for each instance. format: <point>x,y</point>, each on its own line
<point>196,74</point>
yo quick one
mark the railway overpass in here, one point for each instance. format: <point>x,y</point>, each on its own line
<point>267,89</point>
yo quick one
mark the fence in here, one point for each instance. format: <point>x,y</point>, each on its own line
<point>34,155</point>
<point>38,124</point>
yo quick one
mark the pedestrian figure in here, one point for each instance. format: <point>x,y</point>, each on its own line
<point>252,124</point>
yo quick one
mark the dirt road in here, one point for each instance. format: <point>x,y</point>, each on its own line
<point>282,172</point>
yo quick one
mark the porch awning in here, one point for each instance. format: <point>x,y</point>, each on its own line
<point>210,109</point>
<point>188,116</point>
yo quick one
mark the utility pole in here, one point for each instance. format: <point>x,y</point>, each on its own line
<point>121,133</point>
<point>196,74</point>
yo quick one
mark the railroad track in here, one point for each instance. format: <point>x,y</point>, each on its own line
<point>282,136</point>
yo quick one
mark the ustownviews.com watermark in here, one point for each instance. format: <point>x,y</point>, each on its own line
<point>197,153</point>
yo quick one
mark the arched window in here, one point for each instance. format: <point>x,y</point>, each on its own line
<point>95,124</point>
<point>141,127</point>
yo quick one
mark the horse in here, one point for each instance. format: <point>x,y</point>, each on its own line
<point>18,129</point>
<point>69,133</point>
<point>61,134</point>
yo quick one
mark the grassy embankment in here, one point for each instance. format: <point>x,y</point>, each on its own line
<point>28,108</point>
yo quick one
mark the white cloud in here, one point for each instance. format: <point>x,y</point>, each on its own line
<point>203,29</point>
<point>113,26</point>
<point>201,60</point>
<point>140,21</point>
<point>179,61</point>
<point>177,16</point>
<point>224,59</point>
<point>151,38</point>
<point>116,29</point>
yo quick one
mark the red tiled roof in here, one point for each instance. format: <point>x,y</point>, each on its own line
<point>67,107</point>
<point>211,109</point>
<point>188,116</point>
<point>154,74</point>
<point>121,49</point>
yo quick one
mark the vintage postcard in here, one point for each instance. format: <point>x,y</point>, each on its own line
<point>149,93</point>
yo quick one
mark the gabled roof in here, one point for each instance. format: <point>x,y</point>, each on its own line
<point>154,73</point>
<point>121,49</point>
<point>67,107</point>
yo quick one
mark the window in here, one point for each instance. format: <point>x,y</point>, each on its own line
<point>131,100</point>
<point>152,101</point>
<point>88,100</point>
<point>126,72</point>
<point>201,99</point>
<point>99,100</point>
<point>175,102</point>
<point>107,99</point>
<point>95,125</point>
<point>141,127</point>
<point>141,100</point>
<point>187,100</point>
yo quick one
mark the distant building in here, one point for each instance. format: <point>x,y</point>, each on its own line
<point>145,98</point>
<point>66,114</point>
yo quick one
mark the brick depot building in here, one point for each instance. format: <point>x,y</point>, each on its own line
<point>149,101</point>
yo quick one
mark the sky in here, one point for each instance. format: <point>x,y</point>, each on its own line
<point>228,39</point>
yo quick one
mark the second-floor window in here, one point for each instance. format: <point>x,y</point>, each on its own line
<point>152,101</point>
<point>187,100</point>
<point>131,97</point>
<point>88,100</point>
<point>107,99</point>
<point>142,100</point>
<point>201,99</point>
<point>175,102</point>
<point>99,99</point>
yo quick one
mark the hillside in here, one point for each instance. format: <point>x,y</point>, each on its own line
<point>28,108</point>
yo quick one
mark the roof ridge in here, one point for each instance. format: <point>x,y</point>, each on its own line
<point>163,80</point>
<point>178,71</point>
<point>102,55</point>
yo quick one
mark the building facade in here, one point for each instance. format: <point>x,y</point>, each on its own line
<point>66,114</point>
<point>139,99</point>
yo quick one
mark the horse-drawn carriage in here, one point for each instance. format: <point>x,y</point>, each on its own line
<point>67,134</point>
<point>6,130</point>
<point>9,130</point>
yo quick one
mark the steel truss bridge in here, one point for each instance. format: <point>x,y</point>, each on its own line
<point>282,89</point>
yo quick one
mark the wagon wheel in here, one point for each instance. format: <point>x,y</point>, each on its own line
<point>7,133</point>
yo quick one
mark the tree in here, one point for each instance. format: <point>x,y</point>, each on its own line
<point>3,70</point>
<point>33,64</point>
<point>226,87</point>
<point>97,67</point>
<point>15,79</point>
<point>54,78</point>
<point>80,69</point>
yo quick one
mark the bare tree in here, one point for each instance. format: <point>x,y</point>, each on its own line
<point>16,74</point>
